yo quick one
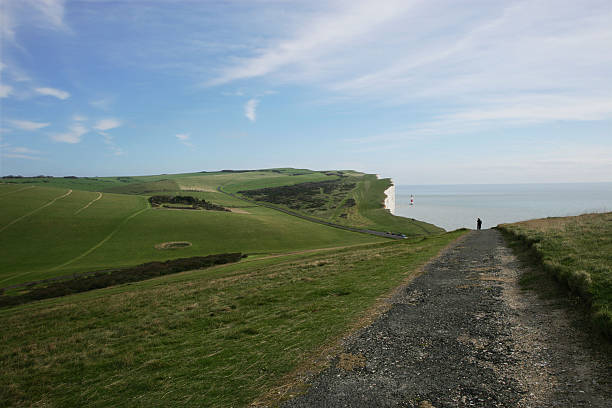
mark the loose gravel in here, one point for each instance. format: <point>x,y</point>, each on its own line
<point>463,334</point>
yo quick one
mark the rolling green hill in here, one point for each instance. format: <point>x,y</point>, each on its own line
<point>46,233</point>
<point>59,226</point>
<point>221,336</point>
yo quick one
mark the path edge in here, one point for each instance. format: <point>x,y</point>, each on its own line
<point>297,381</point>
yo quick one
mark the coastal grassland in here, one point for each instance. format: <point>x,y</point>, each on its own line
<point>356,199</point>
<point>83,183</point>
<point>231,180</point>
<point>349,199</point>
<point>369,211</point>
<point>577,251</point>
<point>122,230</point>
<point>219,337</point>
<point>38,238</point>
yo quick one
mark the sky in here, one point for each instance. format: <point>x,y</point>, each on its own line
<point>425,92</point>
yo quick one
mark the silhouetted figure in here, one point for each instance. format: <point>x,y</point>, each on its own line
<point>478,224</point>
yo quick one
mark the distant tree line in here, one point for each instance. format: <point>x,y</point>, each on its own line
<point>103,279</point>
<point>188,201</point>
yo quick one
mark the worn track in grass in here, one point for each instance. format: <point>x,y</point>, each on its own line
<point>464,334</point>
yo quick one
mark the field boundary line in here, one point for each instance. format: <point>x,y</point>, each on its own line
<point>90,203</point>
<point>35,211</point>
<point>16,191</point>
<point>99,244</point>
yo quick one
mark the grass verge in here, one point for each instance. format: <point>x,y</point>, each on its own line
<point>576,251</point>
<point>217,337</point>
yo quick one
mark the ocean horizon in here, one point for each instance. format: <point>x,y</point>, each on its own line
<point>456,206</point>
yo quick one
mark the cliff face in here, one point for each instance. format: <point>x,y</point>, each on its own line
<point>390,199</point>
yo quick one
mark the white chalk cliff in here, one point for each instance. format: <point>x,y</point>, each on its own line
<point>390,198</point>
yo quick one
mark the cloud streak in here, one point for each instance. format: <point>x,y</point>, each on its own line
<point>319,36</point>
<point>250,109</point>
<point>57,93</point>
<point>18,152</point>
<point>28,125</point>
<point>72,136</point>
<point>184,138</point>
<point>45,13</point>
<point>107,124</point>
<point>5,90</point>
<point>510,62</point>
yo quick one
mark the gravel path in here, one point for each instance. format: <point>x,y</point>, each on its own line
<point>464,334</point>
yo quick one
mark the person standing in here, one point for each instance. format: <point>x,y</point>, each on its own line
<point>478,224</point>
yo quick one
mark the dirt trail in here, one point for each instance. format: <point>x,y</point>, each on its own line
<point>463,334</point>
<point>89,203</point>
<point>35,211</point>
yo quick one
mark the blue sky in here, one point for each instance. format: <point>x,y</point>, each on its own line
<point>426,92</point>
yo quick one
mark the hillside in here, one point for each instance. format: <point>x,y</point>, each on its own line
<point>59,226</point>
<point>217,337</point>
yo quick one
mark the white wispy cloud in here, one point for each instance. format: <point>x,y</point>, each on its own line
<point>504,62</point>
<point>5,90</point>
<point>508,113</point>
<point>58,93</point>
<point>73,135</point>
<point>44,13</point>
<point>347,23</point>
<point>27,124</point>
<point>79,118</point>
<point>18,152</point>
<point>107,124</point>
<point>238,92</point>
<point>250,109</point>
<point>110,142</point>
<point>184,139</point>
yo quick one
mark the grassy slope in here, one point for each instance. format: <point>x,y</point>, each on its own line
<point>578,252</point>
<point>52,241</point>
<point>217,337</point>
<point>61,242</point>
<point>369,193</point>
<point>370,212</point>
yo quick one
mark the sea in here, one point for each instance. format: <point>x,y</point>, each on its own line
<point>458,206</point>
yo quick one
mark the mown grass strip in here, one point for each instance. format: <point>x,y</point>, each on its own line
<point>219,337</point>
<point>577,251</point>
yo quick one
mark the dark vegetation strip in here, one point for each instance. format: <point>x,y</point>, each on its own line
<point>304,196</point>
<point>577,255</point>
<point>188,202</point>
<point>103,279</point>
<point>312,219</point>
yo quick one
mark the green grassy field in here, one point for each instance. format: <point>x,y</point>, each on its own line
<point>58,226</point>
<point>233,181</point>
<point>219,337</point>
<point>577,251</point>
<point>76,234</point>
<point>368,193</point>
